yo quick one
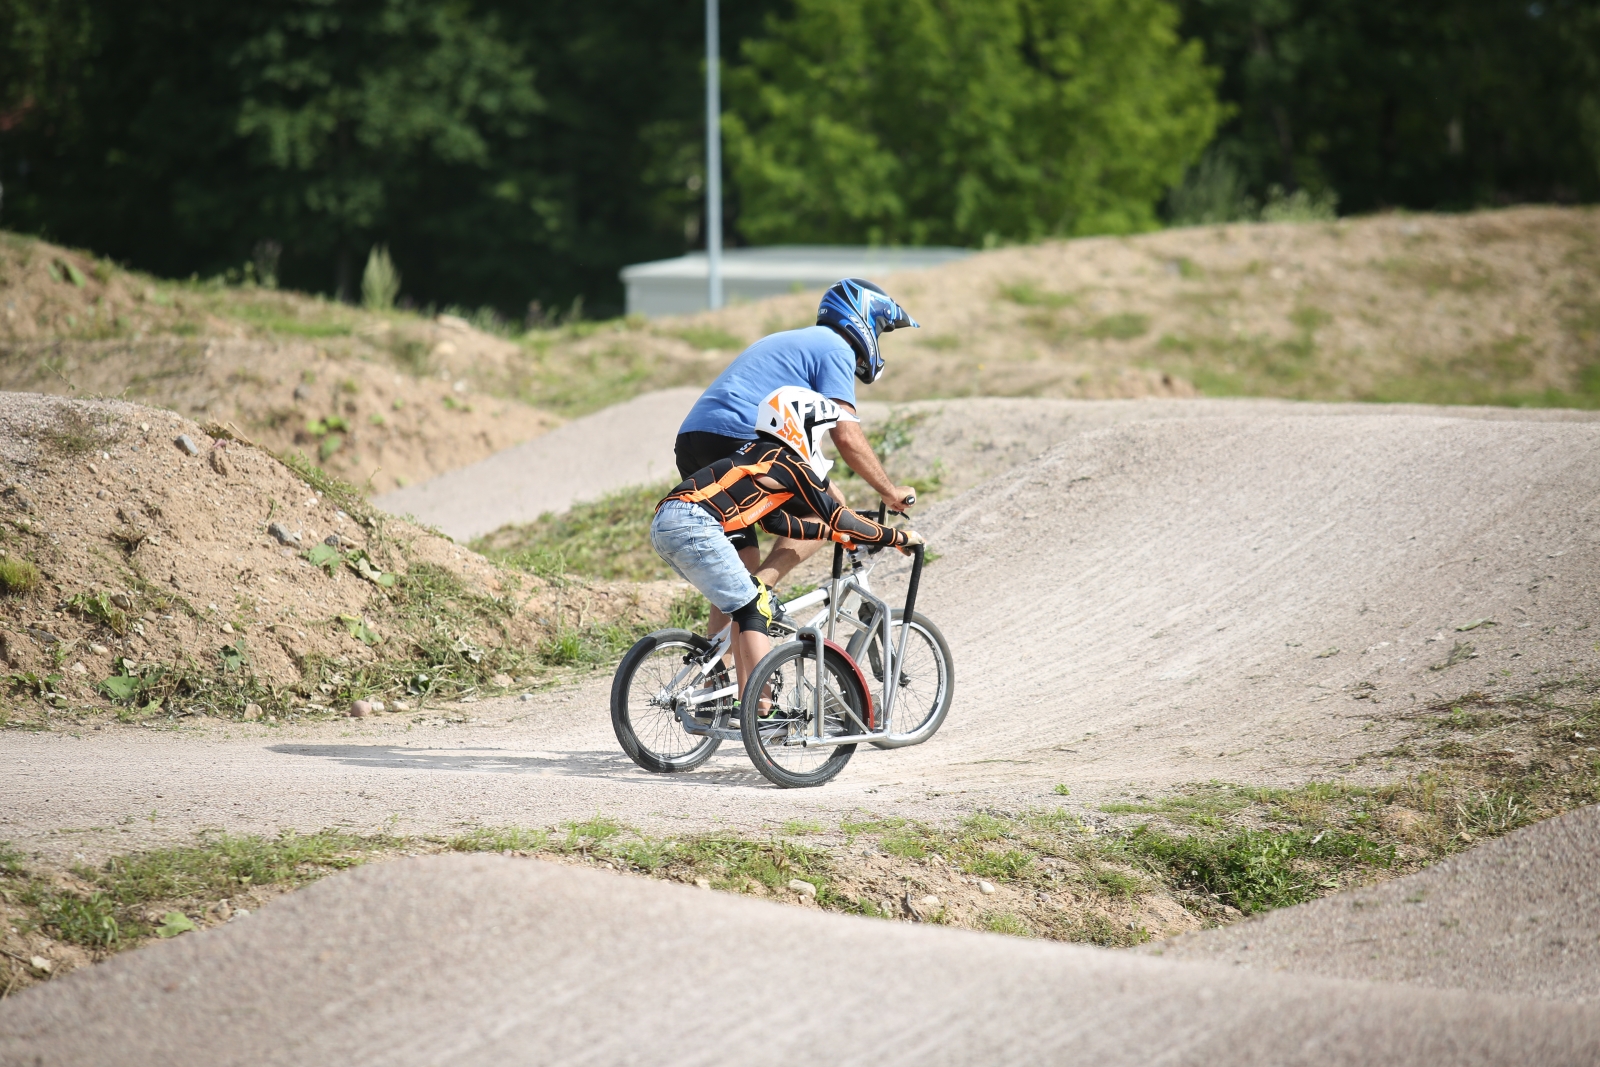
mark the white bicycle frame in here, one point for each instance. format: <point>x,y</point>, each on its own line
<point>830,596</point>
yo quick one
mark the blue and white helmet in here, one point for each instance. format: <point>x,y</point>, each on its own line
<point>860,311</point>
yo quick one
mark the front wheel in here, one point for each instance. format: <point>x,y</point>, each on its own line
<point>659,672</point>
<point>927,682</point>
<point>775,742</point>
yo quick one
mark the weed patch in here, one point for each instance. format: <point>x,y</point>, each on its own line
<point>607,538</point>
<point>18,577</point>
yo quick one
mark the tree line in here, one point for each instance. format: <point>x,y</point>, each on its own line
<point>512,152</point>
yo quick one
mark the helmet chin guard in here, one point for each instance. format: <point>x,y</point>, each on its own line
<point>859,312</point>
<point>798,418</point>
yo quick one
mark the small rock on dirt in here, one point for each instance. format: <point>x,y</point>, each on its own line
<point>252,712</point>
<point>377,706</point>
<point>186,444</point>
<point>39,963</point>
<point>98,650</point>
<point>986,888</point>
<point>333,540</point>
<point>281,535</point>
<point>302,393</point>
<point>401,705</point>
<point>361,709</point>
<point>219,462</point>
<point>702,883</point>
<point>501,680</point>
<point>79,668</point>
<point>526,696</point>
<point>929,901</point>
<point>227,627</point>
<point>804,888</point>
<point>122,600</point>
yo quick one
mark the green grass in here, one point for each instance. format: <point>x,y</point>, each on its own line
<point>1121,327</point>
<point>709,337</point>
<point>607,538</point>
<point>73,431</point>
<point>1028,294</point>
<point>18,577</point>
<point>111,909</point>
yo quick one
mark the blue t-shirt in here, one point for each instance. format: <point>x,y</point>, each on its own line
<point>814,357</point>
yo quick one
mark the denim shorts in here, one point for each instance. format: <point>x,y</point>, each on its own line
<point>693,544</point>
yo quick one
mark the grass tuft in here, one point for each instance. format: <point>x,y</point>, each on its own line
<point>18,577</point>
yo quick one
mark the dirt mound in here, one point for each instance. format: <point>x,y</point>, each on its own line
<point>379,400</point>
<point>1517,916</point>
<point>1493,307</point>
<point>156,566</point>
<point>623,445</point>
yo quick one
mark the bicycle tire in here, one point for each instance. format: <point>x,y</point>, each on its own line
<point>645,727</point>
<point>790,671</point>
<point>927,656</point>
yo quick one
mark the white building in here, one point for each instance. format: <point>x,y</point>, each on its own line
<point>678,286</point>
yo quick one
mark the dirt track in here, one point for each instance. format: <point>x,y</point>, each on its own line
<point>486,960</point>
<point>1146,605</point>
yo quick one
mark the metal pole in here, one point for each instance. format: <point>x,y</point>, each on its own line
<point>713,162</point>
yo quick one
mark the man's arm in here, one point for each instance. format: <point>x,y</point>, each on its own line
<point>853,448</point>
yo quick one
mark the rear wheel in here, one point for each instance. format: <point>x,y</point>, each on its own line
<point>787,676</point>
<point>927,676</point>
<point>658,675</point>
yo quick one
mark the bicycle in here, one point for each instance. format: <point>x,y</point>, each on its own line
<point>674,700</point>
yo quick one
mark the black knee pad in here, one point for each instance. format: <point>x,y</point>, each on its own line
<point>749,617</point>
<point>743,539</point>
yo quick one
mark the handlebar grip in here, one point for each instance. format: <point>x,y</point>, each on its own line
<point>911,498</point>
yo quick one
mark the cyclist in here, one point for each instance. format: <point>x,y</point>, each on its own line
<point>779,481</point>
<point>822,358</point>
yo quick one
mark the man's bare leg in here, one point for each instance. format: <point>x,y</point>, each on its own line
<point>785,556</point>
<point>748,649</point>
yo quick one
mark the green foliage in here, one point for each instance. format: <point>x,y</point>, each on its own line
<point>965,122</point>
<point>710,337</point>
<point>1213,191</point>
<point>1028,294</point>
<point>174,923</point>
<point>1302,205</point>
<point>380,282</point>
<point>606,538</point>
<point>18,577</point>
<point>11,861</point>
<point>1005,922</point>
<point>1259,869</point>
<point>81,920</point>
<point>224,864</point>
<point>1120,327</point>
<point>1446,105</point>
<point>100,607</point>
<point>502,150</point>
<point>506,839</point>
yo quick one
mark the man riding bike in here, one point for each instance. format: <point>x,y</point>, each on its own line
<point>779,481</point>
<point>826,359</point>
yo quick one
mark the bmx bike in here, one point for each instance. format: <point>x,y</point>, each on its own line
<point>674,700</point>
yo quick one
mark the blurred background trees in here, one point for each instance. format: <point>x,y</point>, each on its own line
<point>508,152</point>
<point>964,121</point>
